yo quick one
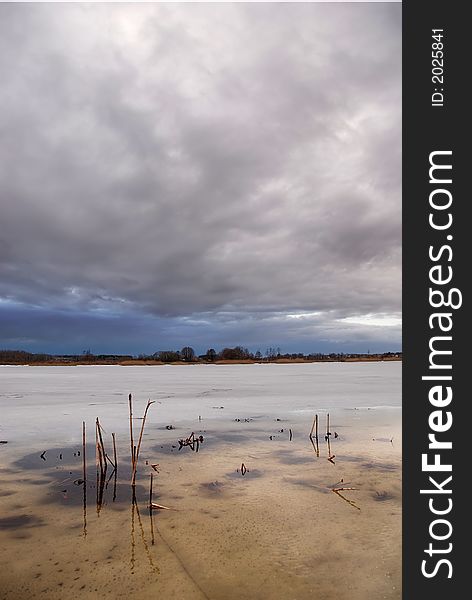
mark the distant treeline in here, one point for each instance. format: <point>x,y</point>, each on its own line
<point>187,355</point>
<point>20,357</point>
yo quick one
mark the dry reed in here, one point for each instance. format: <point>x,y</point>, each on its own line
<point>138,448</point>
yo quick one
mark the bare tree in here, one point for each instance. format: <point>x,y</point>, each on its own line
<point>211,354</point>
<point>187,353</point>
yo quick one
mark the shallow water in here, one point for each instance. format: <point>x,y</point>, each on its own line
<point>277,532</point>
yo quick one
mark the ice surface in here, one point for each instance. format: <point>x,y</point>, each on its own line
<point>48,404</point>
<point>277,533</point>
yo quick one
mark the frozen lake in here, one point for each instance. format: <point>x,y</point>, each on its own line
<point>49,403</point>
<point>275,532</point>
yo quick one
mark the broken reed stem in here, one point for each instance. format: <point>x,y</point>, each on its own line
<point>102,447</point>
<point>131,428</point>
<point>150,494</point>
<point>327,425</point>
<point>314,427</point>
<point>353,504</point>
<point>136,457</point>
<point>291,435</point>
<point>98,452</point>
<point>111,475</point>
<point>114,451</point>
<point>161,507</point>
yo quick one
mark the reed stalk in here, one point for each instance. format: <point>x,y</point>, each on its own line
<point>138,447</point>
<point>98,451</point>
<point>84,477</point>
<point>102,448</point>
<point>84,460</point>
<point>130,399</point>
<point>114,451</point>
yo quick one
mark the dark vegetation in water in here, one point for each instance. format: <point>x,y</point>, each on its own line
<point>64,476</point>
<point>74,480</point>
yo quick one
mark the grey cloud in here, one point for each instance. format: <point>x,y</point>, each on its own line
<point>174,159</point>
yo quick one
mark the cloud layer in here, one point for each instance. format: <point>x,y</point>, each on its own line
<point>201,167</point>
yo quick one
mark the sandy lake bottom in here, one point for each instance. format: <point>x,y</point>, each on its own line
<point>277,532</point>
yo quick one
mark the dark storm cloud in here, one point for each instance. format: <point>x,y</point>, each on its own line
<point>232,164</point>
<point>53,331</point>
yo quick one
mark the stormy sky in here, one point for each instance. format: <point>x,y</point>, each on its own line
<point>201,174</point>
